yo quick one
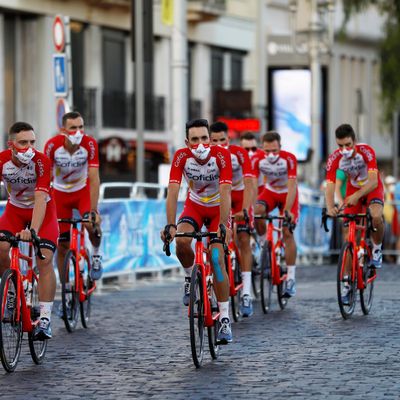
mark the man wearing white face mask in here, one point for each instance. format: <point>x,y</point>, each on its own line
<point>208,172</point>
<point>364,185</point>
<point>26,176</point>
<point>76,182</point>
<point>279,168</point>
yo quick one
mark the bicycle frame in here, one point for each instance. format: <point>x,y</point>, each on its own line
<point>16,256</point>
<point>77,246</point>
<point>352,239</point>
<point>205,268</point>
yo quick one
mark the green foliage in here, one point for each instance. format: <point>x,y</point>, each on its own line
<point>389,49</point>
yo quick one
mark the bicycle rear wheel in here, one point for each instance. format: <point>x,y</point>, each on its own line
<point>37,348</point>
<point>367,294</point>
<point>196,316</point>
<point>346,256</point>
<point>266,285</point>
<point>85,306</point>
<point>69,293</point>
<point>256,272</point>
<point>212,331</point>
<point>237,279</point>
<point>11,324</point>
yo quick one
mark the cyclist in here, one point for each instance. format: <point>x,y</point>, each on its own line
<point>26,176</point>
<point>75,163</point>
<point>208,172</point>
<point>249,142</point>
<point>242,198</point>
<point>279,167</point>
<point>364,185</point>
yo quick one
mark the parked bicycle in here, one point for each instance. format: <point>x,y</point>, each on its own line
<point>203,306</point>
<point>19,304</point>
<point>272,271</point>
<point>354,271</point>
<point>76,285</point>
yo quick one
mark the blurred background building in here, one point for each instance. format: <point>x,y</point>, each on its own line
<point>230,59</point>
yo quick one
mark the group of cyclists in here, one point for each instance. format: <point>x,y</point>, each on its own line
<point>43,187</point>
<point>227,181</point>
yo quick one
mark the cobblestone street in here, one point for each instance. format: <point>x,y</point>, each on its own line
<point>138,347</point>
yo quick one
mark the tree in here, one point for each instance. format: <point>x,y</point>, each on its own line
<point>389,49</point>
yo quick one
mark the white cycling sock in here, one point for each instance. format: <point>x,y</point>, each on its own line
<point>45,309</point>
<point>188,272</point>
<point>376,246</point>
<point>291,272</point>
<point>223,309</point>
<point>246,279</point>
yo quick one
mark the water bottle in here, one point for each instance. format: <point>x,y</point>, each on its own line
<point>81,263</point>
<point>28,291</point>
<point>278,254</point>
<point>360,256</point>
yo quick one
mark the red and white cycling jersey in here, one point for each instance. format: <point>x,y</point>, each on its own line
<point>241,167</point>
<point>203,179</point>
<point>260,177</point>
<point>356,168</point>
<point>277,173</point>
<point>22,182</point>
<point>70,171</point>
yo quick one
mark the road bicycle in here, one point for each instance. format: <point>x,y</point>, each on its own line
<point>19,304</point>
<point>76,285</point>
<point>203,306</point>
<point>272,272</point>
<point>356,255</point>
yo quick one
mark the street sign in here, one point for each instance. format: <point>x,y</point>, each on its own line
<point>60,75</point>
<point>62,107</point>
<point>59,33</point>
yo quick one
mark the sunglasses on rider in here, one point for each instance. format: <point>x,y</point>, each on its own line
<point>254,148</point>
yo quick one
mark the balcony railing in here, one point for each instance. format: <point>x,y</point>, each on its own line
<point>205,10</point>
<point>115,109</point>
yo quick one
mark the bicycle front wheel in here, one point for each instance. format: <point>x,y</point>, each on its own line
<point>235,299</point>
<point>213,330</point>
<point>85,305</point>
<point>266,285</point>
<point>11,323</point>
<point>196,316</point>
<point>69,292</point>
<point>37,348</point>
<point>367,294</point>
<point>346,283</point>
<point>281,289</point>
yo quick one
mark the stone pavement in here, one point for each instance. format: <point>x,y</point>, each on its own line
<point>138,348</point>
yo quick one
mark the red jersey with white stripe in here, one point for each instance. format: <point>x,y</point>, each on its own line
<point>241,167</point>
<point>356,167</point>
<point>277,173</point>
<point>70,171</point>
<point>203,179</point>
<point>22,182</point>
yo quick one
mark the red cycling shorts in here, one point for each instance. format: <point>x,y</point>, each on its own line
<point>15,219</point>
<point>198,215</point>
<point>67,202</point>
<point>237,206</point>
<point>270,200</point>
<point>376,196</point>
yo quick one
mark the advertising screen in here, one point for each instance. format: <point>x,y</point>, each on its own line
<point>291,109</point>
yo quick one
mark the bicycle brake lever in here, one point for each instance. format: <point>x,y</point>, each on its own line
<point>36,244</point>
<point>324,219</point>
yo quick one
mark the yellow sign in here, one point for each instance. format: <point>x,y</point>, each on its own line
<point>167,12</point>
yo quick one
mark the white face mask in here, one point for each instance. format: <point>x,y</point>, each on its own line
<point>76,138</point>
<point>201,151</point>
<point>346,153</point>
<point>25,156</point>
<point>251,153</point>
<point>271,157</point>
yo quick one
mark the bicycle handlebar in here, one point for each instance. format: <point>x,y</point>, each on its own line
<point>287,220</point>
<point>194,235</point>
<point>35,240</point>
<point>75,221</point>
<point>325,216</point>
